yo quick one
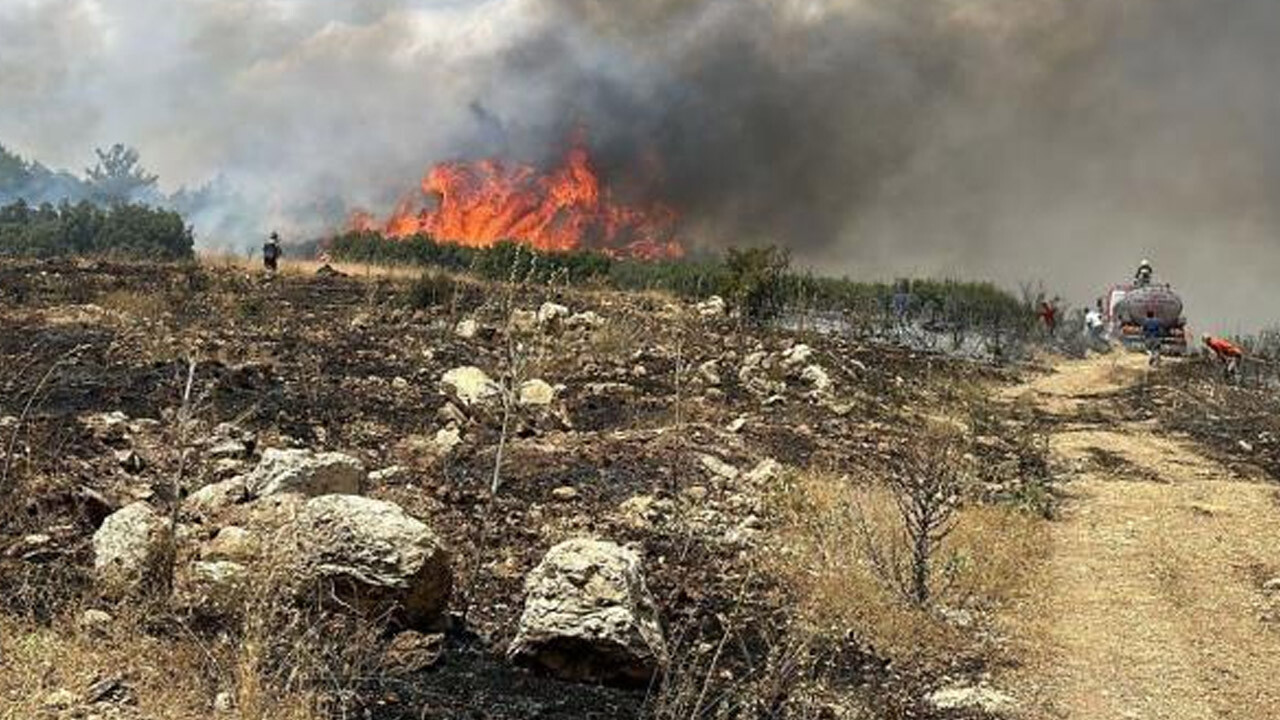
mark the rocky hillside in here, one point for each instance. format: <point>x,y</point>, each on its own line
<point>374,497</point>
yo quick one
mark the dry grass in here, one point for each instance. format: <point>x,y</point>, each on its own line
<point>293,267</point>
<point>41,660</point>
<point>987,561</point>
<point>136,304</point>
<point>284,672</point>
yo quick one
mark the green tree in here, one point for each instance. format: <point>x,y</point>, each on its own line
<point>757,281</point>
<point>118,177</point>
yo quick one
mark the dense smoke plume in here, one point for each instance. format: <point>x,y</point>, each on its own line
<point>1019,140</point>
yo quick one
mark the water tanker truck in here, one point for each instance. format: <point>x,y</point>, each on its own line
<point>1126,307</point>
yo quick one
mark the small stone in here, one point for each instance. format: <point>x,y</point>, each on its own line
<point>412,652</point>
<point>306,473</point>
<point>95,621</point>
<point>551,313</point>
<point>737,425</point>
<point>565,493</point>
<point>467,329</point>
<point>447,439</point>
<point>712,307</point>
<point>130,461</point>
<point>536,393</point>
<point>718,467</point>
<point>228,449</point>
<point>765,470</point>
<point>796,356</point>
<point>1272,585</point>
<point>224,702</point>
<point>979,697</point>
<point>212,499</point>
<point>399,383</point>
<point>696,493</point>
<point>391,475</point>
<point>586,319</point>
<point>817,377</point>
<point>469,385</point>
<point>709,371</point>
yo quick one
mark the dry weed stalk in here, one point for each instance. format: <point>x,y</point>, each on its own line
<point>28,407</point>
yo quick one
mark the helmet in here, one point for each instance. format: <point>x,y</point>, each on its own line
<point>1205,337</point>
<point>275,235</point>
<point>1144,263</point>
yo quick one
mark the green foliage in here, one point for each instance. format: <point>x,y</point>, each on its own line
<point>118,178</point>
<point>84,228</point>
<point>758,281</point>
<point>35,183</point>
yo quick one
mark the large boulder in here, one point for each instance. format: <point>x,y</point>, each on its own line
<point>132,551</point>
<point>306,473</point>
<point>589,617</point>
<point>372,556</point>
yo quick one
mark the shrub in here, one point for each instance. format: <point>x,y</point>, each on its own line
<point>757,281</point>
<point>824,523</point>
<point>432,290</point>
<point>128,230</point>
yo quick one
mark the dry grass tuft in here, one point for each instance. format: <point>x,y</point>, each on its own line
<point>825,524</point>
<point>136,304</point>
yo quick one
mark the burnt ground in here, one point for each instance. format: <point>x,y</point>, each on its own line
<point>1238,421</point>
<point>351,364</point>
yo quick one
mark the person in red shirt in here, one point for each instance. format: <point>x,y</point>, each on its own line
<point>1227,352</point>
<point>1049,316</point>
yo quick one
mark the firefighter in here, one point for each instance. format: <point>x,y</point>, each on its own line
<point>271,252</point>
<point>1143,277</point>
<point>1227,352</point>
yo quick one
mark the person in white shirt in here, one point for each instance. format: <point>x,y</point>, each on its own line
<point>1095,326</point>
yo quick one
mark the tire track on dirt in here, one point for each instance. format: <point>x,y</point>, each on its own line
<point>1152,605</point>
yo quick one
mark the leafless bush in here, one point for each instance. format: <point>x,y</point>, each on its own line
<point>926,486</point>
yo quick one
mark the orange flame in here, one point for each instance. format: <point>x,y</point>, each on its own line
<point>483,203</point>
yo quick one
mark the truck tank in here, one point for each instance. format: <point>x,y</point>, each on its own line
<point>1132,309</point>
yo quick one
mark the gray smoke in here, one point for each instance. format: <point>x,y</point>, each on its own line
<point>1017,140</point>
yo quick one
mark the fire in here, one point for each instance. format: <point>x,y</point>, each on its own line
<point>481,203</point>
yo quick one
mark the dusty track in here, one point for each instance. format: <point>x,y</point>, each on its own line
<point>1152,604</point>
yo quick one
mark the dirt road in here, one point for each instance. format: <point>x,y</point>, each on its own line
<point>1153,605</point>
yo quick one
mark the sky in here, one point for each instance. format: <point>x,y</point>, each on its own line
<point>1023,141</point>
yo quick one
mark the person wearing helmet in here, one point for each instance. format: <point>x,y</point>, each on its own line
<point>1143,276</point>
<point>1227,353</point>
<point>271,252</point>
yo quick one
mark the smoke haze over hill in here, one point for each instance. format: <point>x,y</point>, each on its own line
<point>1059,140</point>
